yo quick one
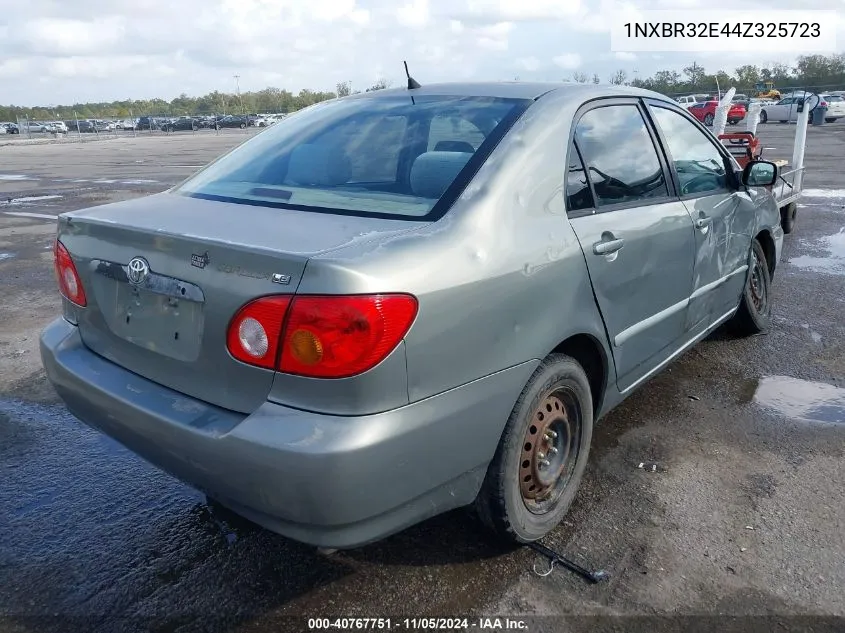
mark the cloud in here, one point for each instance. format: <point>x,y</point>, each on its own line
<point>415,14</point>
<point>568,61</point>
<point>531,64</point>
<point>66,51</point>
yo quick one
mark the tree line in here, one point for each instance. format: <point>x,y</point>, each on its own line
<point>812,72</point>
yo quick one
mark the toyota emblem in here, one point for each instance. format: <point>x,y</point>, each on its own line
<point>137,270</point>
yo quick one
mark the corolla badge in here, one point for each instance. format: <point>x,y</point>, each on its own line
<point>137,270</point>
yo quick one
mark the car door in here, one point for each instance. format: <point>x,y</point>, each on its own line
<point>637,238</point>
<point>722,214</point>
<point>781,110</point>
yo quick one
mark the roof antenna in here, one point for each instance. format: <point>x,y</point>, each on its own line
<point>412,83</point>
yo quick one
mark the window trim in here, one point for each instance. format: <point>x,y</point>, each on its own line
<point>603,102</point>
<point>720,149</point>
<point>578,213</point>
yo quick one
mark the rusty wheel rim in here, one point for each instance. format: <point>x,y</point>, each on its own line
<point>759,291</point>
<point>549,450</point>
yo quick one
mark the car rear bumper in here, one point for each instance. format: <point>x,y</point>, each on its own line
<point>326,480</point>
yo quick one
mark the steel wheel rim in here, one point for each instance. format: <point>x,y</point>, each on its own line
<point>757,285</point>
<point>550,450</point>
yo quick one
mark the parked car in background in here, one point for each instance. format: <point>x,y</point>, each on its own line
<point>148,123</point>
<point>261,121</point>
<point>36,126</point>
<point>125,124</point>
<point>690,100</point>
<point>835,106</point>
<point>784,110</point>
<point>182,123</point>
<point>59,127</point>
<point>11,128</point>
<point>233,121</point>
<point>706,112</point>
<point>361,355</point>
<point>80,125</point>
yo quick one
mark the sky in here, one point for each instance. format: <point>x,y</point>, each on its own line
<point>56,52</point>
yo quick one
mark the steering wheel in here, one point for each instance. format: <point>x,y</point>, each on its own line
<point>689,186</point>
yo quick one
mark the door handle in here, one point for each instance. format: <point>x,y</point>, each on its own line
<point>703,222</point>
<point>606,247</point>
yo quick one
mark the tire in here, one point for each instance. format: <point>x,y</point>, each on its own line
<point>504,503</point>
<point>830,120</point>
<point>787,217</point>
<point>243,126</point>
<point>708,119</point>
<point>755,311</point>
<point>763,116</point>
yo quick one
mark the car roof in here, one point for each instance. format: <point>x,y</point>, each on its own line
<point>516,90</point>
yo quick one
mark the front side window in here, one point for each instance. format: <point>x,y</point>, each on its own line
<point>619,155</point>
<point>698,162</point>
<point>388,156</point>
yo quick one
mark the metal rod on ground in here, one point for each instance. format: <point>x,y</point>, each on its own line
<point>555,558</point>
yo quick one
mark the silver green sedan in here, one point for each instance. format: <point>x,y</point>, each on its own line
<point>397,303</point>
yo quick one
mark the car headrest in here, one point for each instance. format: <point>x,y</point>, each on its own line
<point>317,165</point>
<point>454,146</point>
<point>433,172</point>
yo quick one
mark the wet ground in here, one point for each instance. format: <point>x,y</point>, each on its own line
<point>743,514</point>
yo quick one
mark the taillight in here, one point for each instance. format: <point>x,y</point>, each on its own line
<point>254,333</point>
<point>70,286</point>
<point>329,336</point>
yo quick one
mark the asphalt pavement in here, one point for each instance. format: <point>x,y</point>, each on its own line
<point>718,489</point>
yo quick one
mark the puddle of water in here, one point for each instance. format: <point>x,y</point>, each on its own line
<point>138,182</point>
<point>800,399</point>
<point>835,260</point>
<point>29,199</point>
<point>16,177</point>
<point>6,256</point>
<point>823,193</point>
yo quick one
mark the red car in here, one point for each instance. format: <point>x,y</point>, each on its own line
<point>706,112</point>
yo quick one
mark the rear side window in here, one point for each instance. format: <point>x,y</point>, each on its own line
<point>620,157</point>
<point>698,162</point>
<point>386,156</point>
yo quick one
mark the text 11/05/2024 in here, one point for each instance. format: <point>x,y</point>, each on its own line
<point>418,624</point>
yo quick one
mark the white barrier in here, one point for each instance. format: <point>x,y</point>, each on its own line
<point>721,118</point>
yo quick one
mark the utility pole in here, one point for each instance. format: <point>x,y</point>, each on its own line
<point>238,87</point>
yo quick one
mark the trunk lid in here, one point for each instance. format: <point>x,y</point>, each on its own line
<point>165,274</point>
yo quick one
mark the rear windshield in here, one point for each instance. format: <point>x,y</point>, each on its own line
<point>833,98</point>
<point>385,156</point>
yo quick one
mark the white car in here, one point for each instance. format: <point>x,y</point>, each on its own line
<point>126,124</point>
<point>35,126</point>
<point>689,100</point>
<point>786,110</point>
<point>835,107</point>
<point>57,126</point>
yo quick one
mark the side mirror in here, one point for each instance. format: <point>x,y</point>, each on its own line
<point>760,173</point>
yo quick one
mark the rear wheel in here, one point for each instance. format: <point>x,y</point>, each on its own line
<point>243,125</point>
<point>542,455</point>
<point>830,120</point>
<point>787,217</point>
<point>708,119</point>
<point>763,116</point>
<point>755,313</point>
